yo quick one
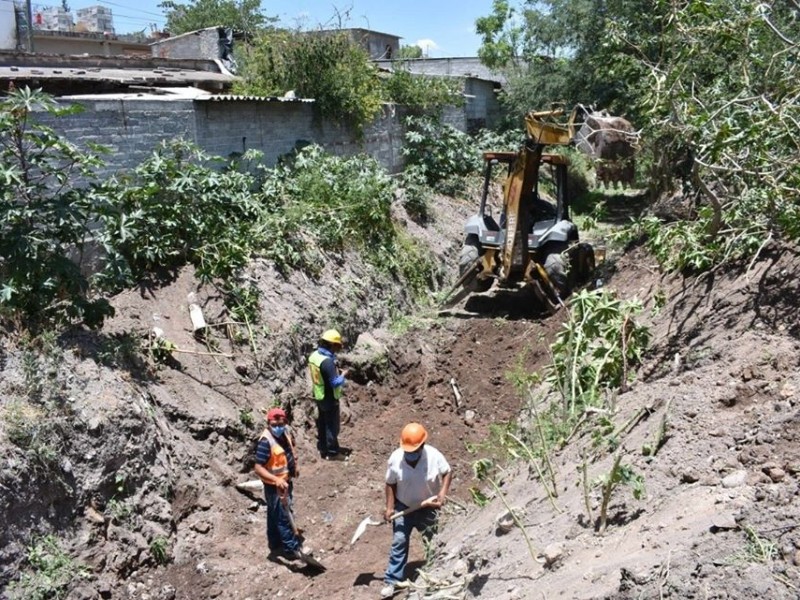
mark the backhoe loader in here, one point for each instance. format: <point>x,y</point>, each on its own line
<point>534,241</point>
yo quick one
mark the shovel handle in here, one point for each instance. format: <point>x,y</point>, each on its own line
<point>411,509</point>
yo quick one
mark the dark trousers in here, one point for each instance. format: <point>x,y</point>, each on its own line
<point>328,429</point>
<point>280,535</point>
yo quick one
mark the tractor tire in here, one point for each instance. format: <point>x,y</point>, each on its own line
<point>581,264</point>
<point>558,269</point>
<point>469,254</point>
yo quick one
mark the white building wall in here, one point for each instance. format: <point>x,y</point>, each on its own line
<point>8,26</point>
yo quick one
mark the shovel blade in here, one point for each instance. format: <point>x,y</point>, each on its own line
<point>362,527</point>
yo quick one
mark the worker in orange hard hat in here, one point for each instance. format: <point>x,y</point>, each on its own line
<point>418,477</point>
<point>327,384</point>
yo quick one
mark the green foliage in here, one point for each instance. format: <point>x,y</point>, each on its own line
<point>322,203</point>
<point>440,151</point>
<point>598,345</point>
<point>27,427</point>
<point>159,550</point>
<point>241,15</point>
<point>500,35</point>
<point>328,67</point>
<point>43,218</point>
<point>51,571</point>
<point>417,195</point>
<point>758,549</point>
<point>409,52</point>
<point>723,118</point>
<point>175,208</point>
<point>246,417</point>
<point>619,474</point>
<point>422,92</point>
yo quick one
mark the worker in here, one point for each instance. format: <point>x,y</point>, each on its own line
<point>418,475</point>
<point>327,384</point>
<point>276,466</point>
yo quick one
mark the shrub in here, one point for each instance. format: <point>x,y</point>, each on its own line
<point>319,202</point>
<point>50,574</point>
<point>175,208</point>
<point>440,151</point>
<point>421,92</point>
<point>44,218</point>
<point>328,67</point>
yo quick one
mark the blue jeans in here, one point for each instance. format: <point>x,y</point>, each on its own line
<point>328,429</point>
<point>424,521</point>
<point>280,535</point>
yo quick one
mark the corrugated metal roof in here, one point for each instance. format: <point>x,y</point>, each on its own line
<point>248,98</point>
<point>130,76</point>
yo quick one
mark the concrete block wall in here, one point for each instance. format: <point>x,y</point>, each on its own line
<point>130,129</point>
<point>203,43</point>
<point>276,128</point>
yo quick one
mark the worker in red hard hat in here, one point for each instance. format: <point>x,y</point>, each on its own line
<point>417,475</point>
<point>276,466</point>
<point>327,384</point>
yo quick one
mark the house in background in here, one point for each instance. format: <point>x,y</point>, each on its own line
<point>8,26</point>
<point>53,31</point>
<point>378,45</point>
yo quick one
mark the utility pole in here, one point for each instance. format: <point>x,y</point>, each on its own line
<point>29,17</point>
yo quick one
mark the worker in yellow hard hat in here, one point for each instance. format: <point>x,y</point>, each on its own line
<point>418,476</point>
<point>327,384</point>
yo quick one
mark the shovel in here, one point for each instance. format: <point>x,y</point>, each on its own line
<point>306,558</point>
<point>362,527</point>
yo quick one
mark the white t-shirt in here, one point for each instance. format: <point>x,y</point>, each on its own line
<point>418,483</point>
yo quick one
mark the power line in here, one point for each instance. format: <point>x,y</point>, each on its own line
<point>139,10</point>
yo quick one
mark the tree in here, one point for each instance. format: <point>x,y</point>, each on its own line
<point>410,52</point>
<point>241,15</point>
<point>328,67</point>
<point>44,217</point>
<point>563,51</point>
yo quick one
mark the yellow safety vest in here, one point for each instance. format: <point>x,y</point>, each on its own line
<point>317,382</point>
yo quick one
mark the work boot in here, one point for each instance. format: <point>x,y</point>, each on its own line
<point>387,591</point>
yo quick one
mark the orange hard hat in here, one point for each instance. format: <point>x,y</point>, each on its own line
<point>412,437</point>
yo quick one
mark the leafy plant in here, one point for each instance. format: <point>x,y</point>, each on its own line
<point>422,92</point>
<point>417,194</point>
<point>51,571</point>
<point>159,550</point>
<point>175,208</point>
<point>619,474</point>
<point>328,67</point>
<point>594,352</point>
<point>440,151</point>
<point>44,217</point>
<point>246,417</point>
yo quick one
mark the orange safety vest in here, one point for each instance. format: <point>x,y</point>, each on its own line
<point>278,463</point>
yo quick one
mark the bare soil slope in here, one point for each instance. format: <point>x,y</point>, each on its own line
<point>156,454</point>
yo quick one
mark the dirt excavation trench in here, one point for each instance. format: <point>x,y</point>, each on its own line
<point>143,496</point>
<point>332,497</point>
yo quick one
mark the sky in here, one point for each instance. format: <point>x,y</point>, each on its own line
<point>444,28</point>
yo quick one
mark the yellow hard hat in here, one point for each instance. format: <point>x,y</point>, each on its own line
<point>332,336</point>
<point>412,437</point>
